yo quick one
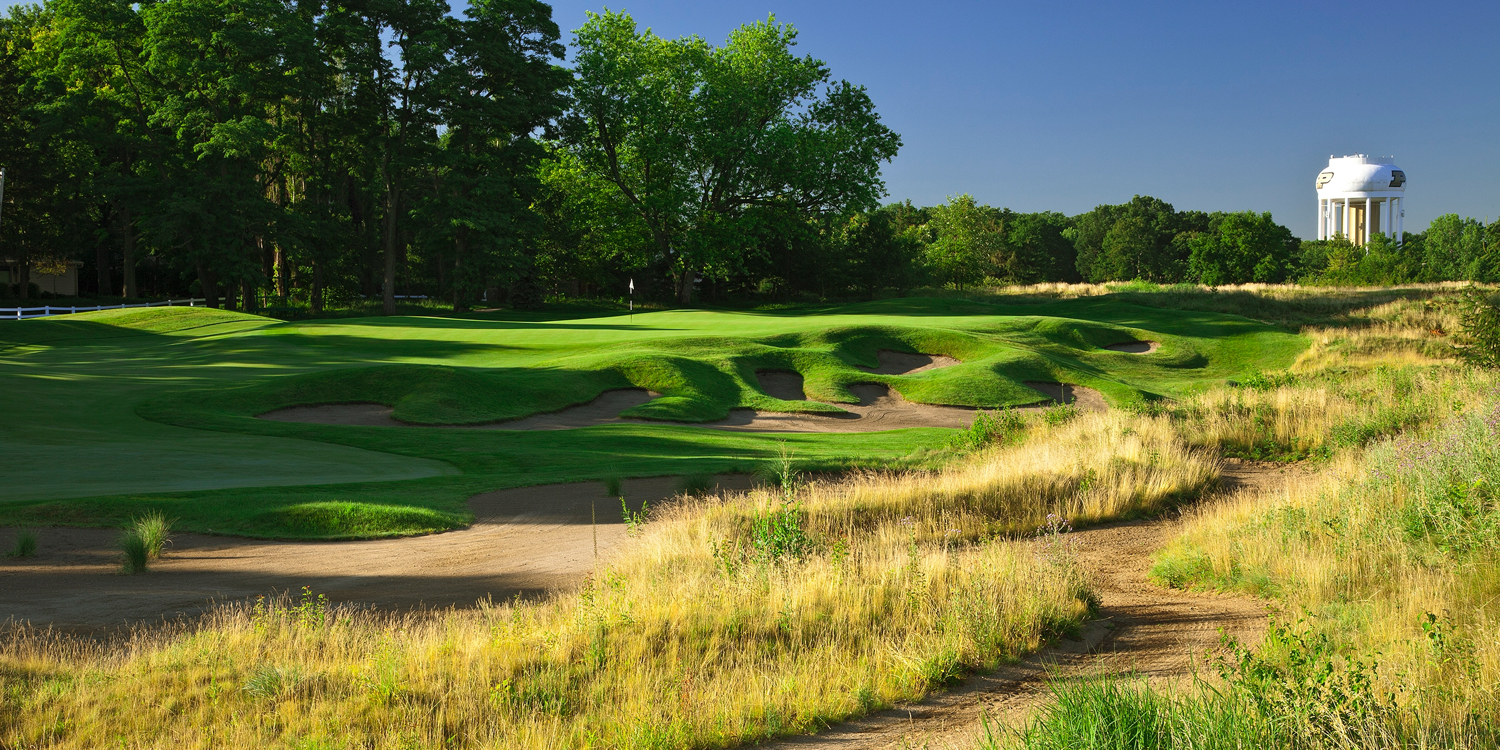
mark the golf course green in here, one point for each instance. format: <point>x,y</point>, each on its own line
<point>114,413</point>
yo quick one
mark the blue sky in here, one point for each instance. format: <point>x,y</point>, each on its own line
<point>1207,105</point>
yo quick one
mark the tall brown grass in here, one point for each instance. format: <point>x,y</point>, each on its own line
<point>694,636</point>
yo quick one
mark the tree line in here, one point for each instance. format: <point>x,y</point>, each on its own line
<point>312,152</point>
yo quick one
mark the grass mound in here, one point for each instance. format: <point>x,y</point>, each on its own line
<point>345,520</point>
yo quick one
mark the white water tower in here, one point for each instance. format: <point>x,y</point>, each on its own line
<point>1359,195</point>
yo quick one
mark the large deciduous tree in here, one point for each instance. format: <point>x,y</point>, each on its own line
<point>698,140</point>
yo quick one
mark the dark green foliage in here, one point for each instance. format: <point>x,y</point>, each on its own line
<point>1137,240</point>
<point>25,545</point>
<point>136,552</point>
<point>1240,248</point>
<point>696,485</point>
<point>989,428</point>
<point>1479,328</point>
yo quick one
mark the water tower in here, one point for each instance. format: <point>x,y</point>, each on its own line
<point>1359,195</point>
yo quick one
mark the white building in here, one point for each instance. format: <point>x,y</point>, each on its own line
<point>1359,195</point>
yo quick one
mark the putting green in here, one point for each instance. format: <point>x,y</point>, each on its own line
<point>118,411</point>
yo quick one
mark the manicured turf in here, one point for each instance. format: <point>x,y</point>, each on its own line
<point>116,412</point>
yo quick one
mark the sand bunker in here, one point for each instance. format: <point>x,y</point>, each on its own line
<point>879,408</point>
<point>1086,399</point>
<point>603,410</point>
<point>524,541</point>
<point>904,363</point>
<point>782,384</point>
<point>1134,347</point>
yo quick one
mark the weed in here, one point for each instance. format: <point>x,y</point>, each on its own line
<point>155,530</point>
<point>695,485</point>
<point>1001,427</point>
<point>25,545</point>
<point>634,520</point>
<point>614,487</point>
<point>268,682</point>
<point>136,550</point>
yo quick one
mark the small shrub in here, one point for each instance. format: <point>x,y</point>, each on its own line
<point>634,520</point>
<point>155,531</point>
<point>989,428</point>
<point>1479,328</point>
<point>137,552</point>
<point>696,485</point>
<point>614,487</point>
<point>1059,415</point>
<point>25,544</point>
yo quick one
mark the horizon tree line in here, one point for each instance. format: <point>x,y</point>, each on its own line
<point>313,152</point>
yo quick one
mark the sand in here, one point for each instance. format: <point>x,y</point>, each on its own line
<point>1134,347</point>
<point>904,363</point>
<point>525,541</point>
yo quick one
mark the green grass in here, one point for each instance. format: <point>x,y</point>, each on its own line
<point>154,409</point>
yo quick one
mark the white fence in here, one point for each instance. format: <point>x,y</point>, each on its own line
<point>22,313</point>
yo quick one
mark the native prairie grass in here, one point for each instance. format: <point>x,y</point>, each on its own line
<point>702,633</point>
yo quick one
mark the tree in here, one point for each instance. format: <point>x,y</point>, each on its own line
<point>879,256</point>
<point>698,140</point>
<point>1456,249</point>
<point>1240,248</point>
<point>967,240</point>
<point>1136,240</point>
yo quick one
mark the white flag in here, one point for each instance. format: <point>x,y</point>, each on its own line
<point>632,286</point>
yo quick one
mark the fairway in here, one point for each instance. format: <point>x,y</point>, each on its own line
<point>119,411</point>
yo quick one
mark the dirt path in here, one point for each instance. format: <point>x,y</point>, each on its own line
<point>1142,629</point>
<point>524,541</point>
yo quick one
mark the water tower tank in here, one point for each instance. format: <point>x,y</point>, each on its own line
<point>1359,196</point>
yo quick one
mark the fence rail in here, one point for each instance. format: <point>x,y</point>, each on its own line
<point>22,313</point>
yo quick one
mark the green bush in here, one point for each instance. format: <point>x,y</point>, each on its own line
<point>1479,328</point>
<point>25,544</point>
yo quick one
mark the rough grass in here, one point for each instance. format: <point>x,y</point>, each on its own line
<point>25,544</point>
<point>1393,552</point>
<point>728,619</point>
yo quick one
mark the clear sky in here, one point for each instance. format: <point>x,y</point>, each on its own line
<point>1207,105</point>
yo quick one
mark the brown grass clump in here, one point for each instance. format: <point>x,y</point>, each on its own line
<point>728,619</point>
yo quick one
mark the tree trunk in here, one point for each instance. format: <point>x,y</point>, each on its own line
<point>460,296</point>
<point>231,299</point>
<point>685,292</point>
<point>388,292</point>
<point>101,259</point>
<point>126,233</point>
<point>247,292</point>
<point>23,279</point>
<point>283,273</point>
<point>316,297</point>
<point>210,284</point>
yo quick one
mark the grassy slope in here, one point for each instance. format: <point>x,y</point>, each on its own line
<point>107,395</point>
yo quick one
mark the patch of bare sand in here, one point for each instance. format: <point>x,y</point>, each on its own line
<point>524,541</point>
<point>1087,399</point>
<point>1142,629</point>
<point>783,384</point>
<point>605,409</point>
<point>1134,347</point>
<point>905,363</point>
<point>879,408</point>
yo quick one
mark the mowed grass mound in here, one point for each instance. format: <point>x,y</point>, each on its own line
<point>148,374</point>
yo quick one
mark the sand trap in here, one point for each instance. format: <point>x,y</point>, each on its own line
<point>602,410</point>
<point>524,541</point>
<point>879,408</point>
<point>904,363</point>
<point>782,384</point>
<point>1087,399</point>
<point>1134,347</point>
